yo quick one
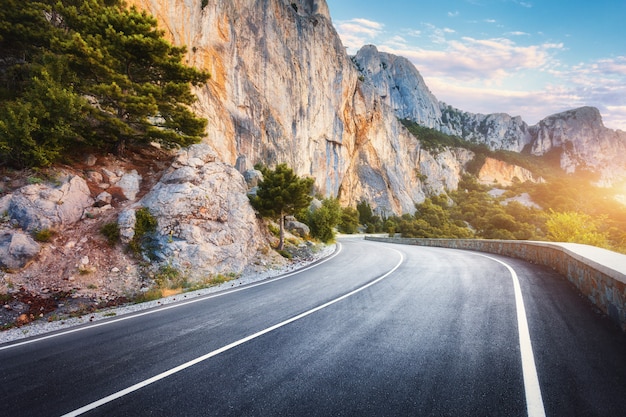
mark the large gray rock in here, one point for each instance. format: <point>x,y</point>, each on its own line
<point>129,183</point>
<point>298,228</point>
<point>17,250</point>
<point>47,206</point>
<point>205,222</point>
<point>400,85</point>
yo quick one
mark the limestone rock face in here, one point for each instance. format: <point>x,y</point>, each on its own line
<point>494,171</point>
<point>283,90</point>
<point>205,222</point>
<point>497,131</point>
<point>400,86</point>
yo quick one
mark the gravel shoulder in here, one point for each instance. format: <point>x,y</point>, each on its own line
<point>38,328</point>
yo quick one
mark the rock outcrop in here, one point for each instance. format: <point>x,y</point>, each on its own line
<point>17,249</point>
<point>579,135</point>
<point>584,142</point>
<point>400,86</point>
<point>206,225</point>
<point>501,173</point>
<point>48,206</point>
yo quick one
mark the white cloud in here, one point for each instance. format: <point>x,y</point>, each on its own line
<point>469,59</point>
<point>453,14</point>
<point>523,4</point>
<point>492,75</point>
<point>357,32</point>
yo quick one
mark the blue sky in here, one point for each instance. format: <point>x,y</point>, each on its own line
<point>531,58</point>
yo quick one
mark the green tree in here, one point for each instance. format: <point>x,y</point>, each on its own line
<point>324,219</point>
<point>103,70</point>
<point>349,220</point>
<point>365,212</point>
<point>281,193</point>
<point>575,227</point>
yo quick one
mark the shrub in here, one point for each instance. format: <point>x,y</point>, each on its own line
<point>43,235</point>
<point>170,277</point>
<point>112,233</point>
<point>150,295</point>
<point>145,225</point>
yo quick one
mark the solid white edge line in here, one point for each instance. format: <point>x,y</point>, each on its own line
<point>223,349</point>
<point>534,400</point>
<point>153,310</point>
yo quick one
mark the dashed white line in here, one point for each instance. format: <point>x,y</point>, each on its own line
<point>171,306</point>
<point>223,349</point>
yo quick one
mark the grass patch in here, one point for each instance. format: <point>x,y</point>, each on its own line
<point>145,226</point>
<point>43,235</point>
<point>285,254</point>
<point>150,295</point>
<point>211,281</point>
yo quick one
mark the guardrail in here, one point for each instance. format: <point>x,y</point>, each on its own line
<point>598,273</point>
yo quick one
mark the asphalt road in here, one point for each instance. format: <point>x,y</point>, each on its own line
<point>378,330</point>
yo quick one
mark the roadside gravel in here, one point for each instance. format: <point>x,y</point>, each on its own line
<point>39,328</point>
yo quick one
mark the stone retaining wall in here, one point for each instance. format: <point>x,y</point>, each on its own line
<point>602,281</point>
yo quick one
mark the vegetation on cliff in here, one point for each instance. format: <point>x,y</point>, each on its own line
<point>92,73</point>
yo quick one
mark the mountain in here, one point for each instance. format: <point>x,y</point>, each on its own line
<point>579,135</point>
<point>283,89</point>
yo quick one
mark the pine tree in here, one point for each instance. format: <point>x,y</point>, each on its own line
<point>122,82</point>
<point>280,194</point>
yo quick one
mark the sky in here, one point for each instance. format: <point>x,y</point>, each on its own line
<point>529,58</point>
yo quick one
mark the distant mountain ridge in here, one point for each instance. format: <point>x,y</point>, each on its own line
<point>580,133</point>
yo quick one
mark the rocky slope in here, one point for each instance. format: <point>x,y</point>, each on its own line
<point>284,90</point>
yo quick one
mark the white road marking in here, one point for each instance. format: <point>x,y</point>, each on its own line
<point>534,400</point>
<point>154,310</point>
<point>223,349</point>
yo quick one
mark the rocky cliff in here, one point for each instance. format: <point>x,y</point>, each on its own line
<point>283,89</point>
<point>584,143</point>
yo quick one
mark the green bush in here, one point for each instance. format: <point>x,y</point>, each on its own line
<point>324,220</point>
<point>43,235</point>
<point>349,220</point>
<point>112,233</point>
<point>145,226</point>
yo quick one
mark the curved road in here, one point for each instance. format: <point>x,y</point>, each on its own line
<point>376,330</point>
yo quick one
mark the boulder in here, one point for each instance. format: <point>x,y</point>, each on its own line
<point>253,177</point>
<point>206,224</point>
<point>17,249</point>
<point>129,183</point>
<point>48,206</point>
<point>103,199</point>
<point>295,227</point>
